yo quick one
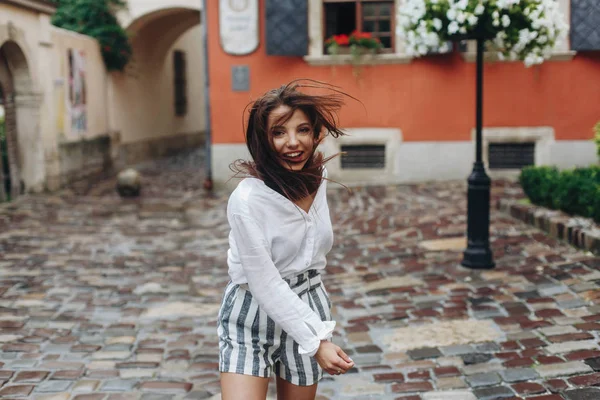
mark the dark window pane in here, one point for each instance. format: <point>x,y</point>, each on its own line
<point>386,41</point>
<point>384,26</point>
<point>369,26</point>
<point>369,9</point>
<point>340,18</point>
<point>385,9</point>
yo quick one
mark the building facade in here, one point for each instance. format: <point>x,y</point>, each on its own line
<point>70,119</point>
<point>416,118</point>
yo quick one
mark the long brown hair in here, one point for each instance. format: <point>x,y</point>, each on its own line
<point>321,110</point>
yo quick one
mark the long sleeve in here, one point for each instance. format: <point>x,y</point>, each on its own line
<point>272,293</point>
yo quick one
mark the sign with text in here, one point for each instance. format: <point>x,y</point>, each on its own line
<point>238,26</point>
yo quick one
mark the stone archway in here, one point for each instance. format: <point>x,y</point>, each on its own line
<point>147,87</point>
<point>21,105</point>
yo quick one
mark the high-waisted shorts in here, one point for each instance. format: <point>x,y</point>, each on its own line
<point>251,343</point>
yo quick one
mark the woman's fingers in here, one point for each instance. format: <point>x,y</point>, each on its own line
<point>344,356</point>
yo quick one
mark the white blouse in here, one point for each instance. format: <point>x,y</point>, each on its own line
<point>271,239</point>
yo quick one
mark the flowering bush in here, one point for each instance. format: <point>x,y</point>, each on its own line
<point>518,29</point>
<point>357,42</point>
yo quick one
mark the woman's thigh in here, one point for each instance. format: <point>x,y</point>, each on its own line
<point>289,391</point>
<point>238,386</point>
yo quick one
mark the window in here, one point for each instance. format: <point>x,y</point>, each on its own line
<point>179,67</point>
<point>375,17</point>
<point>511,155</point>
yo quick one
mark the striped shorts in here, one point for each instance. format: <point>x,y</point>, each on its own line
<point>250,342</point>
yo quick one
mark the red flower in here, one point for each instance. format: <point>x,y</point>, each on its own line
<point>342,40</point>
<point>107,48</point>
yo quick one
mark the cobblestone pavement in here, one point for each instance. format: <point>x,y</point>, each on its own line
<point>103,298</point>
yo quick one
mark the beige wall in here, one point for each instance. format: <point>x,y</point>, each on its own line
<point>95,82</point>
<point>142,99</point>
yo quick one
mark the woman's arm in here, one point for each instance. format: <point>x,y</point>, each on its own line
<point>272,293</point>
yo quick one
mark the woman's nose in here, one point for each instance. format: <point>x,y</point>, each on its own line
<point>292,140</point>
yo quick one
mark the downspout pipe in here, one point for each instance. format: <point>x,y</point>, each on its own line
<point>208,181</point>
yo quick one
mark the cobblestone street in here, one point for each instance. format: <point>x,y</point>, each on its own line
<point>103,298</point>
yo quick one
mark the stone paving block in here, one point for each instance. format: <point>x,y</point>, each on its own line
<point>198,395</point>
<point>454,382</point>
<point>557,330</point>
<point>486,347</point>
<point>493,393</point>
<point>166,387</point>
<point>483,379</point>
<point>16,390</point>
<point>30,376</point>
<point>476,358</point>
<point>519,374</point>
<point>566,347</point>
<point>119,385</point>
<point>154,396</point>
<point>563,369</point>
<point>457,350</point>
<point>53,386</point>
<point>481,368</point>
<point>94,396</point>
<point>53,396</point>
<point>582,394</point>
<point>449,395</point>
<point>85,386</point>
<point>424,353</point>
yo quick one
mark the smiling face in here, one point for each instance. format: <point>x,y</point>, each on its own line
<point>293,140</point>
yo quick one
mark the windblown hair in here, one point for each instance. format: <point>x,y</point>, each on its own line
<point>321,110</point>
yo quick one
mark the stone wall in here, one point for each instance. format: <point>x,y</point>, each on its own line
<point>133,153</point>
<point>87,159</point>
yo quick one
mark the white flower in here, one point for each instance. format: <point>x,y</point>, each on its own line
<point>505,21</point>
<point>444,48</point>
<point>479,9</point>
<point>437,23</point>
<point>453,28</point>
<point>462,30</point>
<point>451,14</point>
<point>461,17</point>
<point>496,14</point>
<point>496,22</point>
<point>473,20</point>
<point>462,4</point>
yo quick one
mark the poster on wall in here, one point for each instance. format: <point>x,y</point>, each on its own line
<point>77,91</point>
<point>238,26</point>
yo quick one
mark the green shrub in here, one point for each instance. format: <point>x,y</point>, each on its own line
<point>96,18</point>
<point>575,191</point>
<point>538,182</point>
<point>597,139</point>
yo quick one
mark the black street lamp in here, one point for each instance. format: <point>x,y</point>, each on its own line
<point>478,254</point>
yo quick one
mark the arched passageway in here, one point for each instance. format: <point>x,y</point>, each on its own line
<point>23,160</point>
<point>158,102</point>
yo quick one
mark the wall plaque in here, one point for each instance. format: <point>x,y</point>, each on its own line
<point>240,78</point>
<point>238,26</point>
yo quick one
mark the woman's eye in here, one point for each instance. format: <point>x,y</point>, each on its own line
<point>278,133</point>
<point>304,130</point>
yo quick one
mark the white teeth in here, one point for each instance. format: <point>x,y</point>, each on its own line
<point>292,155</point>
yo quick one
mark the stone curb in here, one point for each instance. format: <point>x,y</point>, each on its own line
<point>580,232</point>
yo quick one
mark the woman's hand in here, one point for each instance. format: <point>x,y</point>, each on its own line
<point>333,359</point>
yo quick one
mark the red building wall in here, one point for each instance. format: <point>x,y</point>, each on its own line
<point>429,99</point>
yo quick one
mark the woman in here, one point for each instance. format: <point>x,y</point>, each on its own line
<point>275,313</point>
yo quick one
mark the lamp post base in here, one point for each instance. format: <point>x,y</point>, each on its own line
<point>478,257</point>
<point>478,254</point>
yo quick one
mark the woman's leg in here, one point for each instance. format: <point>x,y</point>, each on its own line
<point>289,391</point>
<point>238,386</point>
